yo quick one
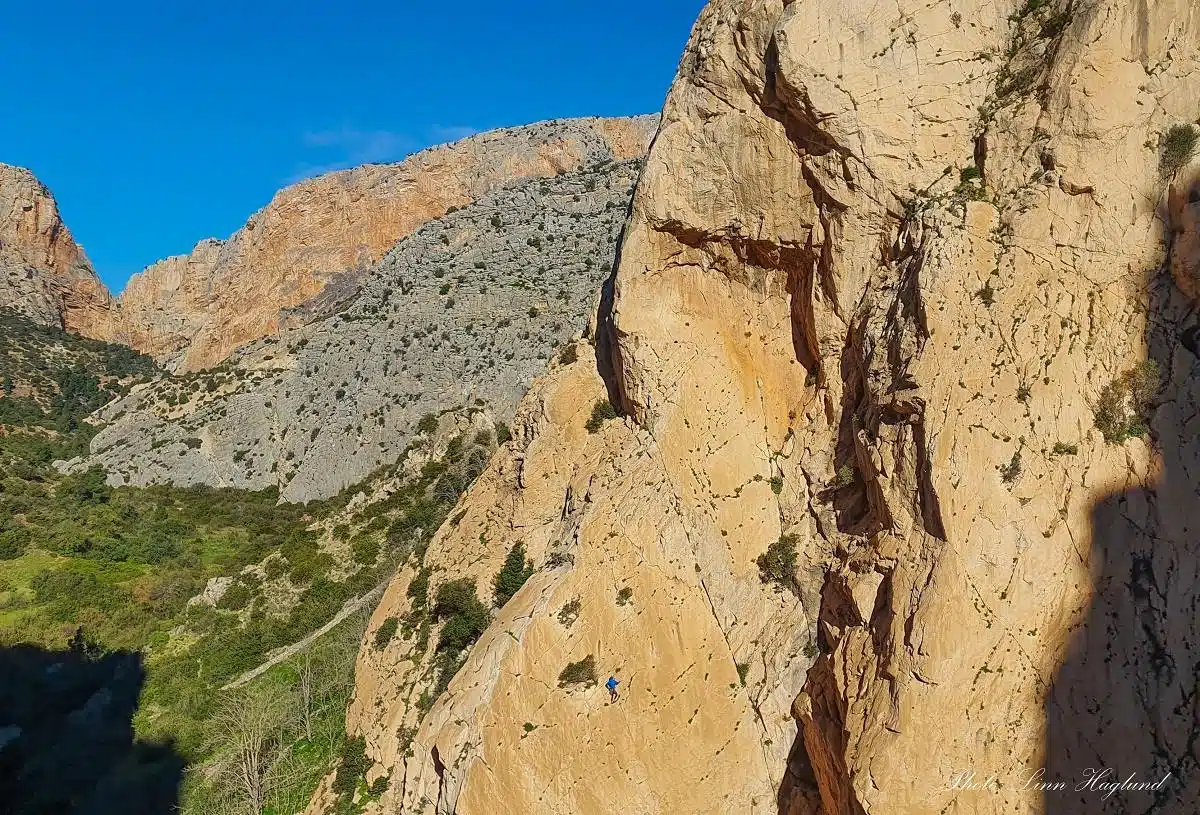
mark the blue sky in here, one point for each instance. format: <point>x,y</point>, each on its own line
<point>159,124</point>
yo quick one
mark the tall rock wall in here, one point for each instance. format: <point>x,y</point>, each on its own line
<point>44,274</point>
<point>912,289</point>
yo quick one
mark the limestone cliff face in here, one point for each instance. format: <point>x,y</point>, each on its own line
<point>194,310</point>
<point>910,287</point>
<point>44,274</point>
<point>622,580</point>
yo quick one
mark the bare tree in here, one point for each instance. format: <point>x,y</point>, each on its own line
<point>324,672</point>
<point>250,727</point>
<point>307,677</point>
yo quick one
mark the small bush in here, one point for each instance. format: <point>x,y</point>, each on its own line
<point>428,425</point>
<point>625,596</point>
<point>512,576</point>
<point>776,484</point>
<point>305,560</point>
<point>845,476</point>
<point>461,631</point>
<point>569,613</point>
<point>743,669</point>
<point>568,355</point>
<point>1061,449</point>
<point>503,434</point>
<point>404,738</point>
<point>236,597</point>
<point>987,294</point>
<point>379,785</point>
<point>386,631</point>
<point>275,568</point>
<point>582,672</point>
<point>366,550</point>
<point>13,542</point>
<point>352,766</point>
<point>1121,412</point>
<point>778,564</point>
<point>602,411</point>
<point>1177,147</point>
<point>466,617</point>
<point>1011,471</point>
<point>418,589</point>
<point>970,184</point>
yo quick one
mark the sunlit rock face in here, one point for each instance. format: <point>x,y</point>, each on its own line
<point>44,274</point>
<point>894,289</point>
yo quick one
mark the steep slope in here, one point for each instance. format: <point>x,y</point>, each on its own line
<point>463,313</point>
<point>896,296</point>
<point>623,581</point>
<point>44,274</point>
<point>192,311</point>
<point>53,379</point>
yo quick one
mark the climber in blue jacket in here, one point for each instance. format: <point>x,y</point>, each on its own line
<point>611,684</point>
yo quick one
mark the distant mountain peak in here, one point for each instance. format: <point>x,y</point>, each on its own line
<point>44,273</point>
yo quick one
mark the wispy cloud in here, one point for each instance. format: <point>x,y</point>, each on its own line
<point>446,133</point>
<point>362,146</point>
<point>348,147</point>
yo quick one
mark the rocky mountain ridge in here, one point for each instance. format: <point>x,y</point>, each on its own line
<point>461,314</point>
<point>192,311</point>
<point>903,331</point>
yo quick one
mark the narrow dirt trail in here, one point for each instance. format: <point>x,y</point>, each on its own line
<point>287,652</point>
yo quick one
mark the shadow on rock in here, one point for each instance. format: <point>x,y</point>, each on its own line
<point>1125,704</point>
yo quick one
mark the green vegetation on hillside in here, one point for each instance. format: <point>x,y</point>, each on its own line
<point>51,380</point>
<point>128,566</point>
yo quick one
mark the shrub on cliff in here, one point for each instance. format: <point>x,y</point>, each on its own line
<point>602,411</point>
<point>352,766</point>
<point>778,563</point>
<point>385,632</point>
<point>582,672</point>
<point>1121,412</point>
<point>1178,146</point>
<point>512,576</point>
<point>466,617</point>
